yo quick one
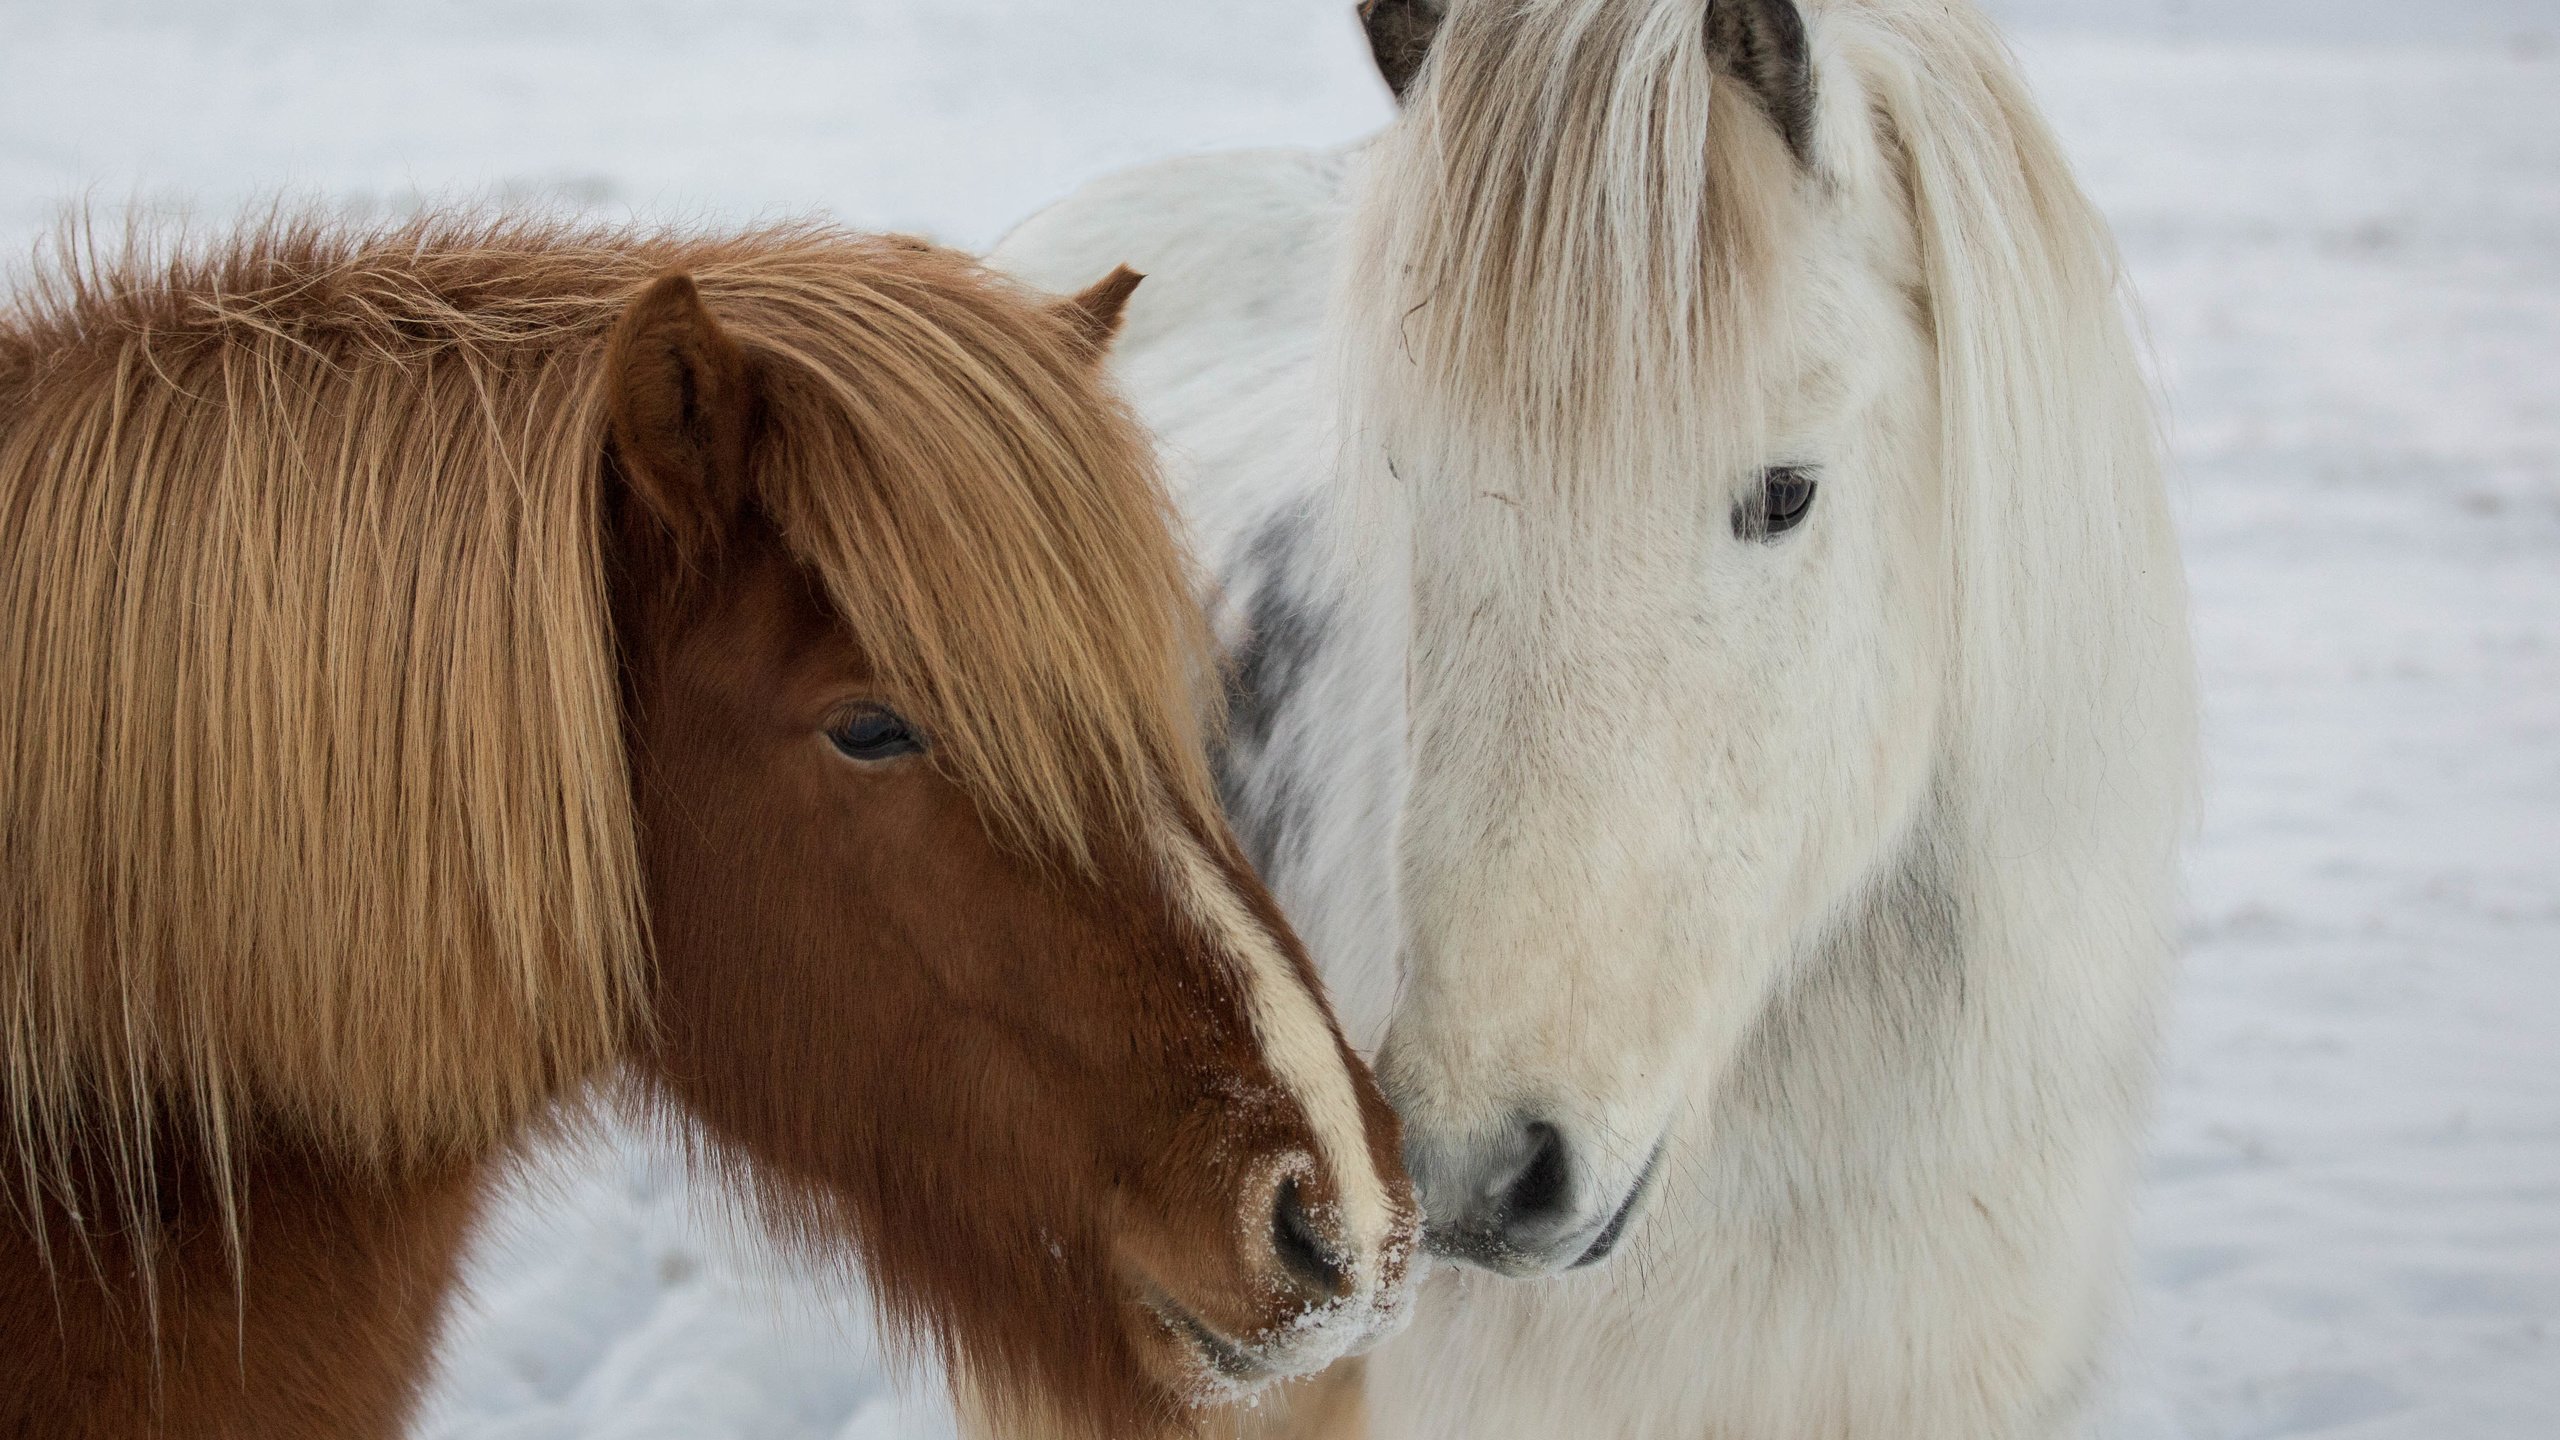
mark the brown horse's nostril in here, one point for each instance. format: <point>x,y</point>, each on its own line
<point>1302,1252</point>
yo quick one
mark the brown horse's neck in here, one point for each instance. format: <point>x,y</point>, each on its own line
<point>322,1328</point>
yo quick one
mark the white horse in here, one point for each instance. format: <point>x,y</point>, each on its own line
<point>1713,691</point>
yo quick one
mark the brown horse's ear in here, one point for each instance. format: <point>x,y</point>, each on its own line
<point>1400,34</point>
<point>1097,311</point>
<point>681,402</point>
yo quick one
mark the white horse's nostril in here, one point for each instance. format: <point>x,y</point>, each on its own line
<point>1520,1175</point>
<point>1520,1201</point>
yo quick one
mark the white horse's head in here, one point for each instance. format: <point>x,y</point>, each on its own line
<point>1748,380</point>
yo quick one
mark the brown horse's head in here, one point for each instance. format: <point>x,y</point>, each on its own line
<point>952,956</point>
<point>438,664</point>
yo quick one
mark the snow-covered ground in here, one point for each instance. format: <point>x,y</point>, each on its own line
<point>2345,218</point>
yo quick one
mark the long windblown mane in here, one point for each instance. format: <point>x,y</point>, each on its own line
<point>1572,269</point>
<point>314,810</point>
<point>1573,240</point>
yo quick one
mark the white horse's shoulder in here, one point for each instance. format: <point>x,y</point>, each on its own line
<point>1236,238</point>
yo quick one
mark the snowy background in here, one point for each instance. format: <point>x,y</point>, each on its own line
<point>2345,218</point>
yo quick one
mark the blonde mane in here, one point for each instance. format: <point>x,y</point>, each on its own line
<point>313,801</point>
<point>1574,246</point>
<point>1576,268</point>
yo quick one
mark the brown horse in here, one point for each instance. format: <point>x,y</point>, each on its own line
<point>444,667</point>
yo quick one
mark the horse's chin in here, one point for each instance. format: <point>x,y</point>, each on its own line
<point>1208,1367</point>
<point>1198,1361</point>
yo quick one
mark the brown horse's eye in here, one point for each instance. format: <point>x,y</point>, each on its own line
<point>872,733</point>
<point>1780,504</point>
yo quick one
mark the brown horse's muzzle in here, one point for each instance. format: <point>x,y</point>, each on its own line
<point>1289,1284</point>
<point>1284,1229</point>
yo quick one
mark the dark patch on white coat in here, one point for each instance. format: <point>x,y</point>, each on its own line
<point>1283,633</point>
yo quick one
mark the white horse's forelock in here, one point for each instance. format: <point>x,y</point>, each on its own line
<point>1550,266</point>
<point>1576,244</point>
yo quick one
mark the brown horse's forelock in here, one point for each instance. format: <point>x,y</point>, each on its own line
<point>991,553</point>
<point>313,806</point>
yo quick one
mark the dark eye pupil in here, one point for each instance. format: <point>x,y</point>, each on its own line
<point>874,733</point>
<point>1784,499</point>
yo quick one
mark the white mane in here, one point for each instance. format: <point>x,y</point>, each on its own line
<point>1564,274</point>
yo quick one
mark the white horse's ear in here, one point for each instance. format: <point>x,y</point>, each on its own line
<point>1097,311</point>
<point>1762,43</point>
<point>1400,34</point>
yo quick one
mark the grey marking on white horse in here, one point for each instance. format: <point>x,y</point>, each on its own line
<point>1283,634</point>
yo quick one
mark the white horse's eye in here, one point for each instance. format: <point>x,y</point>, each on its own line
<point>1781,502</point>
